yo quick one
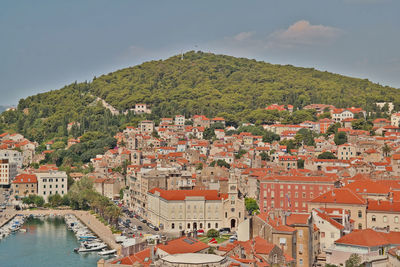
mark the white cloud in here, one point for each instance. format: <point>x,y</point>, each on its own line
<point>303,33</point>
<point>243,36</point>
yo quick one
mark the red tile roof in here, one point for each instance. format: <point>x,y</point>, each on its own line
<point>297,218</point>
<point>25,178</point>
<point>340,196</point>
<point>183,194</point>
<point>183,245</point>
<point>369,238</point>
<point>383,205</point>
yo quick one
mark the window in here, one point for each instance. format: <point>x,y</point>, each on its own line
<point>281,194</point>
<point>172,226</point>
<point>304,195</point>
<point>359,214</point>
<point>296,194</point>
<point>323,234</point>
<point>373,218</point>
<point>385,218</point>
<point>188,226</point>
<point>300,248</point>
<point>332,235</point>
<point>360,226</point>
<point>300,261</point>
<point>209,225</point>
<point>396,219</point>
<point>226,215</point>
<point>300,233</point>
<point>216,225</point>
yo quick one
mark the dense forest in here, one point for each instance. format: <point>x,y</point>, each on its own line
<point>199,83</point>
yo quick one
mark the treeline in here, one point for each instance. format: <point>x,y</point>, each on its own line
<point>202,83</point>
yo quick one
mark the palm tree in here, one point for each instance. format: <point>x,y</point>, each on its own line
<point>386,150</point>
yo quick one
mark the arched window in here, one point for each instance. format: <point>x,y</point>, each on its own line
<point>396,219</point>
<point>359,214</point>
<point>188,226</point>
<point>359,226</point>
<point>172,226</point>
<point>209,225</point>
<point>216,225</point>
<point>385,218</point>
<point>201,225</point>
<point>373,218</point>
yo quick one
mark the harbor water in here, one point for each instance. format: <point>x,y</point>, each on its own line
<point>46,243</point>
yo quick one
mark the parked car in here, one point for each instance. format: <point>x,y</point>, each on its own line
<point>224,231</point>
<point>156,228</point>
<point>140,228</point>
<point>134,228</point>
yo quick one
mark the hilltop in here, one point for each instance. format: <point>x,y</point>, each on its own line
<point>201,83</point>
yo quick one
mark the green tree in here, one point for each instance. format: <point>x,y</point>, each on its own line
<point>55,200</point>
<point>340,138</point>
<point>353,261</point>
<point>326,155</point>
<point>251,205</point>
<point>300,163</point>
<point>212,233</point>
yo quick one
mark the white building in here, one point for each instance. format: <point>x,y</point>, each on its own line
<point>8,171</point>
<point>51,183</point>
<point>395,119</point>
<point>179,120</point>
<point>177,210</point>
<point>13,156</point>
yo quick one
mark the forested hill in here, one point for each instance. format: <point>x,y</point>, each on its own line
<point>200,83</point>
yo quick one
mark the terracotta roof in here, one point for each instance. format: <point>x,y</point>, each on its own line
<point>340,196</point>
<point>369,238</point>
<point>297,218</point>
<point>383,205</point>
<point>368,187</point>
<point>183,194</point>
<point>25,178</point>
<point>183,245</point>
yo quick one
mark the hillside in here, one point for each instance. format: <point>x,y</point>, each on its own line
<point>201,83</point>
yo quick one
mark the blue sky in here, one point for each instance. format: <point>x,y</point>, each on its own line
<point>45,45</point>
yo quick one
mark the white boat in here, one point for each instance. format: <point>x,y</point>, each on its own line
<point>107,252</point>
<point>88,248</point>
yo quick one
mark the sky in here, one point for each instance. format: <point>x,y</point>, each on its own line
<point>45,45</point>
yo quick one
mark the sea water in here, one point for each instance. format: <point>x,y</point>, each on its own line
<point>46,243</point>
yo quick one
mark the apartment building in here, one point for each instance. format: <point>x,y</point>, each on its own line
<point>291,192</point>
<point>51,183</point>
<point>8,171</point>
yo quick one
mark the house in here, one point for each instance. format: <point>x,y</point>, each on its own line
<point>146,126</point>
<point>346,152</point>
<point>395,119</point>
<point>343,198</point>
<point>288,162</point>
<point>372,247</point>
<point>24,184</point>
<point>142,109</point>
<point>332,225</point>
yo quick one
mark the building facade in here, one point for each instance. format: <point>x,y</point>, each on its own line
<point>51,183</point>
